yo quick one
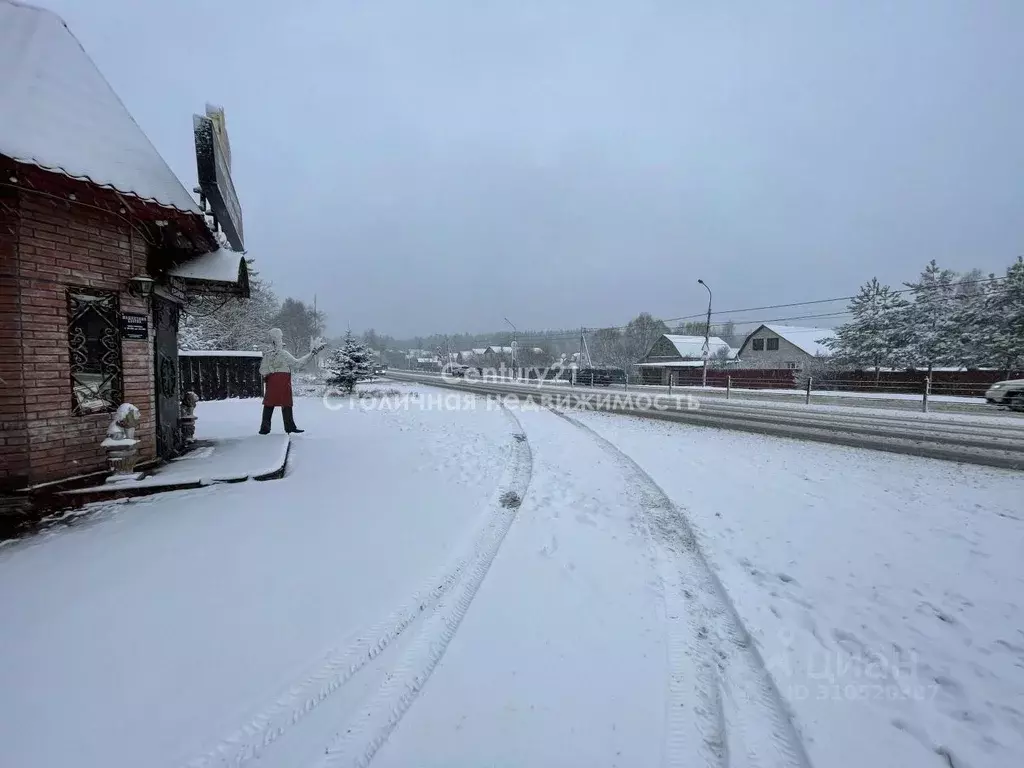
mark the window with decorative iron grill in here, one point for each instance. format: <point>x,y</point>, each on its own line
<point>94,341</point>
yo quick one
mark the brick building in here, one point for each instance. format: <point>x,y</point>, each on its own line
<point>100,245</point>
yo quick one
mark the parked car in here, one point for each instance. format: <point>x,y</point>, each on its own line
<point>455,370</point>
<point>600,377</point>
<point>1009,393</point>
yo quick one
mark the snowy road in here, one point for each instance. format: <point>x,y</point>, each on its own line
<point>987,440</point>
<point>442,582</point>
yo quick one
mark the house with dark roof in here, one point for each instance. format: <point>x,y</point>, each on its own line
<point>784,346</point>
<point>100,246</point>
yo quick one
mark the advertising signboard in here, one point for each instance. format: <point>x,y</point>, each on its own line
<point>213,165</point>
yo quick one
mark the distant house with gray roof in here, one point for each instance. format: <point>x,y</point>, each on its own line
<point>784,346</point>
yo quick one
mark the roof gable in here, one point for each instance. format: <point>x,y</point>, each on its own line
<point>692,347</point>
<point>804,339</point>
<point>60,113</point>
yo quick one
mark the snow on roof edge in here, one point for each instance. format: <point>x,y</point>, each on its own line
<point>162,187</point>
<point>715,343</point>
<point>102,185</point>
<point>218,353</point>
<point>220,266</point>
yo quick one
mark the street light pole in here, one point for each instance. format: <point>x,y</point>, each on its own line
<point>707,336</point>
<point>515,344</point>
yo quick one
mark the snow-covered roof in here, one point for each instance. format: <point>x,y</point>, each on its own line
<point>500,350</point>
<point>59,113</point>
<point>218,353</point>
<point>693,346</point>
<point>806,339</point>
<point>220,266</point>
<point>675,363</point>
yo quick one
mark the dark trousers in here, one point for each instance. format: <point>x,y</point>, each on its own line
<point>286,413</point>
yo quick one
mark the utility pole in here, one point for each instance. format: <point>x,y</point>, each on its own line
<point>315,329</point>
<point>706,352</point>
<point>579,363</point>
<point>515,345</point>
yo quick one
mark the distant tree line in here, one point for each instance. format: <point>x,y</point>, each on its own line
<point>618,347</point>
<point>941,319</point>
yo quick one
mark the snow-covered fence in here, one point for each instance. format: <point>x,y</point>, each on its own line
<point>220,374</point>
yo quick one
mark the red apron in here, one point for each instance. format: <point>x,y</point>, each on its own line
<point>278,390</point>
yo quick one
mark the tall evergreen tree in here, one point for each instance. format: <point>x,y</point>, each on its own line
<point>1005,318</point>
<point>931,327</point>
<point>875,336</point>
<point>349,364</point>
<point>972,318</point>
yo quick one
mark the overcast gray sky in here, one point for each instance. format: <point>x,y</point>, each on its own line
<point>436,165</point>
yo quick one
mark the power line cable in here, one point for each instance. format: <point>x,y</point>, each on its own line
<point>566,335</point>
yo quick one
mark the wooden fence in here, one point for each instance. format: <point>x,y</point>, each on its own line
<point>750,378</point>
<point>956,383</point>
<point>218,375</point>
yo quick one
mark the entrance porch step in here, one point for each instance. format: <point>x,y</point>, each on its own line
<point>228,460</point>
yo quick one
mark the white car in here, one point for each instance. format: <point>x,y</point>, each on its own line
<point>1009,393</point>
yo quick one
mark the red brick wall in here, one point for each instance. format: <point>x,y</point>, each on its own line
<point>13,437</point>
<point>60,245</point>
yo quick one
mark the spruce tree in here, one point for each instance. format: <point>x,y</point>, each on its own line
<point>974,320</point>
<point>349,364</point>
<point>876,334</point>
<point>932,326</point>
<point>1005,318</point>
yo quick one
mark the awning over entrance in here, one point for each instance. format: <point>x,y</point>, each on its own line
<point>222,272</point>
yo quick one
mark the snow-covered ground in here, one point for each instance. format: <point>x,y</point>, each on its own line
<point>149,631</point>
<point>441,582</point>
<point>885,593</point>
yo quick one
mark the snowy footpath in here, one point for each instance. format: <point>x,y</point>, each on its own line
<point>442,581</point>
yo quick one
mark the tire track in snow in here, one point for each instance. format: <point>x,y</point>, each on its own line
<point>341,665</point>
<point>694,722</point>
<point>358,741</point>
<point>742,716</point>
